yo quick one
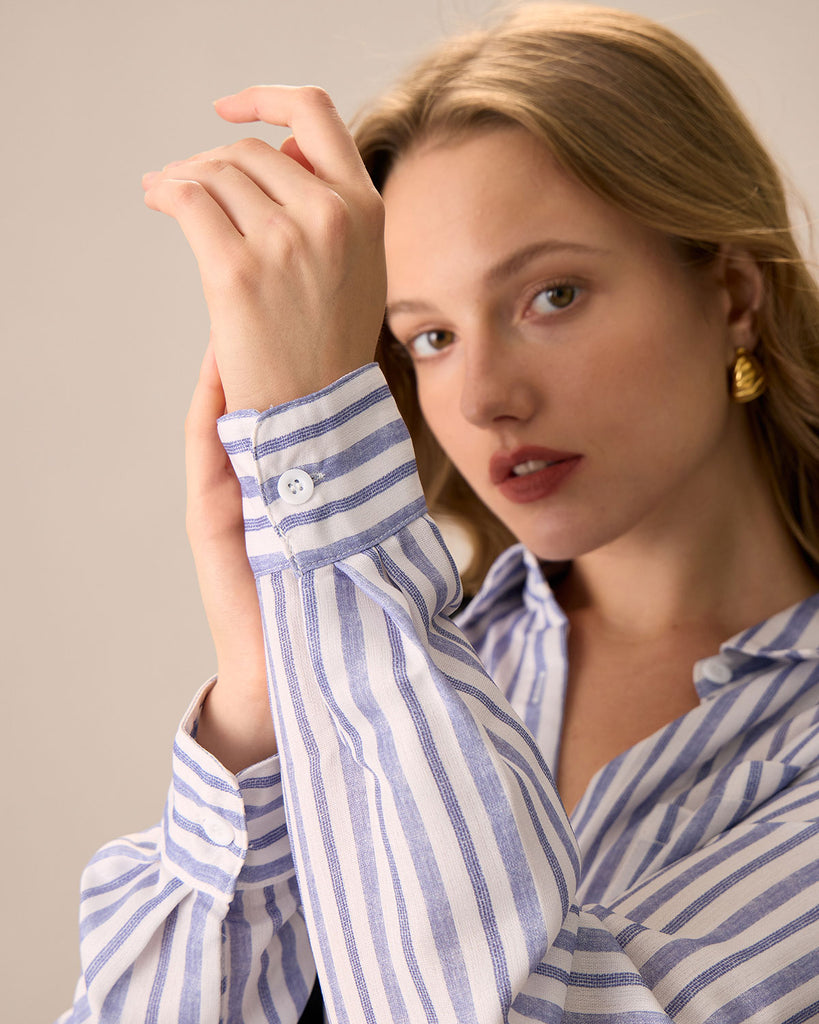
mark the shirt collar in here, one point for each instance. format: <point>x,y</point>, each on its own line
<point>788,636</point>
<point>516,572</point>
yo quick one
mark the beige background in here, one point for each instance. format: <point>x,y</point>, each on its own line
<point>103,325</point>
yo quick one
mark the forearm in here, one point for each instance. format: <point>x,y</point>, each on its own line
<point>438,869</point>
<point>236,725</point>
<point>406,774</point>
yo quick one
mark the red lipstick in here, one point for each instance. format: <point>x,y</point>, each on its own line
<point>540,471</point>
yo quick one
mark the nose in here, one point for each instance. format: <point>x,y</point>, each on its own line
<point>496,384</point>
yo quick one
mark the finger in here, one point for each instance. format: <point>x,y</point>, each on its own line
<point>291,148</point>
<point>209,231</point>
<point>280,176</point>
<point>232,182</point>
<point>322,136</point>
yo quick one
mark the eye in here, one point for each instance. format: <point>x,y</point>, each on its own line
<point>429,343</point>
<point>553,299</point>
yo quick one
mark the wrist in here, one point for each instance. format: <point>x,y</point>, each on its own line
<point>235,722</point>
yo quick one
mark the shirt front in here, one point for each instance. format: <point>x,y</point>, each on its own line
<point>409,840</point>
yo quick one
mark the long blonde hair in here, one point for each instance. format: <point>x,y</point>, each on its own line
<point>636,114</point>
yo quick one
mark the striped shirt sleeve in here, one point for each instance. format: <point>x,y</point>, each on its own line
<point>198,919</point>
<point>440,877</point>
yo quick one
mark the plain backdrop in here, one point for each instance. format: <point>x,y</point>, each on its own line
<point>103,326</point>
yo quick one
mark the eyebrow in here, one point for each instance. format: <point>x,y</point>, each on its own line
<point>507,268</point>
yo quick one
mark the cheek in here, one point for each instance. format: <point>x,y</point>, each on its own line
<point>440,406</point>
<point>667,406</point>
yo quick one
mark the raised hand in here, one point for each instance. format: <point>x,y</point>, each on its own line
<point>290,249</point>
<point>289,244</point>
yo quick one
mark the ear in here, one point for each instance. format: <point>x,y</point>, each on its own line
<point>743,288</point>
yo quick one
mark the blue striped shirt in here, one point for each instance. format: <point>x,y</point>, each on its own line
<point>409,840</point>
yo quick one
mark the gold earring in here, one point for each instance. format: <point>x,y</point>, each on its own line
<point>747,378</point>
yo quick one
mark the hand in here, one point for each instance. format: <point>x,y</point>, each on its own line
<point>289,244</point>
<point>235,724</point>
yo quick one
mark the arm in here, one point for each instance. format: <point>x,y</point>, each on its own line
<point>198,919</point>
<point>408,775</point>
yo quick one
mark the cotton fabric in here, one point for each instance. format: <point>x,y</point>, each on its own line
<point>409,839</point>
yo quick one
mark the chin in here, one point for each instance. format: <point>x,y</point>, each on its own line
<point>566,541</point>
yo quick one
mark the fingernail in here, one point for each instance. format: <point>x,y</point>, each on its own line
<point>149,178</point>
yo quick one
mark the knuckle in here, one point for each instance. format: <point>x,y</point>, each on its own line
<point>315,96</point>
<point>251,147</point>
<point>333,215</point>
<point>211,166</point>
<point>187,193</point>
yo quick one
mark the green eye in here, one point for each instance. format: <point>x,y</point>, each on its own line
<point>557,296</point>
<point>430,343</point>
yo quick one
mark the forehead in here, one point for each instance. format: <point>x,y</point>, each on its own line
<point>471,202</point>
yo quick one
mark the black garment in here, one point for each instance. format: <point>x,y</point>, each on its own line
<point>313,1012</point>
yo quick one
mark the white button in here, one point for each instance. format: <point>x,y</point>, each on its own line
<point>217,829</point>
<point>716,670</point>
<point>295,486</point>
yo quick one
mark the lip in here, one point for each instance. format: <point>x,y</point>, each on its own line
<point>532,486</point>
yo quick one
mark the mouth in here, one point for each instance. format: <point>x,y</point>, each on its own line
<point>528,474</point>
<point>524,461</point>
<point>532,466</point>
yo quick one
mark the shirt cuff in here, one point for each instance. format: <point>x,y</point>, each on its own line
<point>222,831</point>
<point>325,476</point>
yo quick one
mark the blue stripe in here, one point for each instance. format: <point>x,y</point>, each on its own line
<point>158,987</point>
<point>282,442</point>
<point>457,820</point>
<point>436,902</point>
<point>91,921</point>
<point>795,627</point>
<point>294,817</point>
<point>240,947</point>
<point>739,958</point>
<point>754,999</point>
<point>266,1000</point>
<point>190,1008</point>
<point>312,622</point>
<point>522,769</point>
<point>328,509</point>
<point>297,985</point>
<point>335,467</point>
<point>315,558</point>
<point>115,1000</point>
<point>202,872</point>
<point>124,933</point>
<point>208,778</point>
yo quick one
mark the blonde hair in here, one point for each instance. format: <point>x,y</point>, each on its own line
<point>636,114</point>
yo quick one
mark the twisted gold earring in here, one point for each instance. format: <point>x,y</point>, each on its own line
<point>746,376</point>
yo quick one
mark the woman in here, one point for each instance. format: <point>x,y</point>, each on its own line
<point>596,310</point>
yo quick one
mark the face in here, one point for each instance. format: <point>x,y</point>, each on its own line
<point>568,362</point>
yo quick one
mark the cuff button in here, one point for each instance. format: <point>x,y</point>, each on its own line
<point>217,829</point>
<point>295,486</point>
